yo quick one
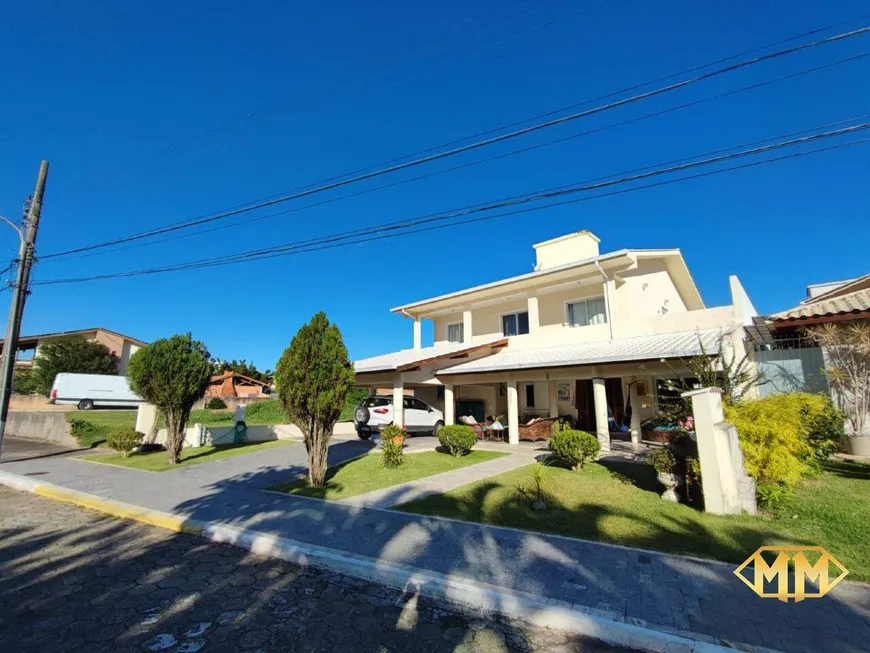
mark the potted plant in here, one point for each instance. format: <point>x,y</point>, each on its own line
<point>394,434</point>
<point>663,461</point>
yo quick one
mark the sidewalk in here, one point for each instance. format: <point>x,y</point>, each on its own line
<point>658,591</point>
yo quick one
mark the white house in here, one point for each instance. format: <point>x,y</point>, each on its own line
<point>582,335</point>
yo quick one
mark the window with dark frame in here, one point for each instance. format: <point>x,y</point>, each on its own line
<point>530,395</point>
<point>515,324</point>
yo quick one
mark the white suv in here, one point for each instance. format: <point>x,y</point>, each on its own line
<point>376,411</point>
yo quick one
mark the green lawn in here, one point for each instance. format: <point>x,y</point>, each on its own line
<point>90,427</point>
<point>618,503</point>
<point>366,474</point>
<point>158,461</point>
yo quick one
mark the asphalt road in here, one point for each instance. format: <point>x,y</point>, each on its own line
<point>18,449</point>
<point>75,580</point>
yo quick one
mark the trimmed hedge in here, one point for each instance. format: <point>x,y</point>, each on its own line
<point>124,441</point>
<point>216,403</point>
<point>782,435</point>
<point>458,439</point>
<point>573,449</point>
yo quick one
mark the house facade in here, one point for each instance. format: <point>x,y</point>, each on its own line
<point>229,384</point>
<point>119,344</point>
<point>585,335</point>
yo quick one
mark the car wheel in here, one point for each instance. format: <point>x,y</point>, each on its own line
<point>364,436</point>
<point>361,415</point>
<point>86,404</point>
<point>438,426</point>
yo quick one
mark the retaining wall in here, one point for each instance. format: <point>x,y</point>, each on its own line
<point>47,426</point>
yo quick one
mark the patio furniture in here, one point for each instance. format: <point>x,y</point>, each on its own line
<point>540,428</point>
<point>496,431</point>
<point>478,428</point>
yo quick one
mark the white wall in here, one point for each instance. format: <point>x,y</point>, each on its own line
<point>645,301</point>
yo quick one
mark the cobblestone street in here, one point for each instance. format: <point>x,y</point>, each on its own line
<point>75,580</point>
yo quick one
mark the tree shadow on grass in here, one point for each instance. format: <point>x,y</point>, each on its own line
<point>218,448</point>
<point>641,476</point>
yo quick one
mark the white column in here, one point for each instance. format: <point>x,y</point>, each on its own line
<point>553,396</point>
<point>534,316</point>
<point>449,404</point>
<point>513,409</point>
<point>601,429</point>
<point>418,333</point>
<point>728,490</point>
<point>635,416</point>
<point>466,326</point>
<point>398,400</point>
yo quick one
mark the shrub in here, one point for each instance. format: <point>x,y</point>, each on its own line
<point>774,497</point>
<point>393,454</point>
<point>124,441</point>
<point>781,435</point>
<point>216,403</point>
<point>573,449</point>
<point>269,411</point>
<point>458,439</point>
<point>391,431</point>
<point>662,460</point>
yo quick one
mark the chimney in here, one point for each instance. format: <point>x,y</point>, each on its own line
<point>570,248</point>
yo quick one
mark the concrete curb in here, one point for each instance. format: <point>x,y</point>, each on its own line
<point>545,613</point>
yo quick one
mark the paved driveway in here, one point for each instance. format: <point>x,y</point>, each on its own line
<point>74,580</point>
<point>18,449</point>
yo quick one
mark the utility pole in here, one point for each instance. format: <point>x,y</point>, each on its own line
<point>19,295</point>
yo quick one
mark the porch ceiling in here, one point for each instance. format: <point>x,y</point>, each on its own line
<point>671,345</point>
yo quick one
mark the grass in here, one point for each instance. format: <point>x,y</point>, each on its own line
<point>158,460</point>
<point>618,503</point>
<point>90,427</point>
<point>367,474</point>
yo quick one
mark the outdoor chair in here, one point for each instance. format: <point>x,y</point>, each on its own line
<point>540,428</point>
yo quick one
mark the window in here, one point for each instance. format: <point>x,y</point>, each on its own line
<point>408,403</point>
<point>375,402</point>
<point>586,312</point>
<point>419,405</point>
<point>530,395</point>
<point>515,324</point>
<point>456,332</point>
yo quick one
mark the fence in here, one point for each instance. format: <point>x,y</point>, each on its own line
<point>791,365</point>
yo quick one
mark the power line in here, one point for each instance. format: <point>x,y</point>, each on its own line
<point>477,144</point>
<point>316,244</point>
<point>249,221</point>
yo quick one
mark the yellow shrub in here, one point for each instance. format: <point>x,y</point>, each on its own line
<point>778,434</point>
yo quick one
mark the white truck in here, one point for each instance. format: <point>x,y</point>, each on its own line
<point>89,390</point>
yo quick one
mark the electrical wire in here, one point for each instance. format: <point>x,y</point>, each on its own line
<point>378,231</point>
<point>250,221</point>
<point>477,144</point>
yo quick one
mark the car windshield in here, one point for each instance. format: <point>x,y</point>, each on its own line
<point>372,402</point>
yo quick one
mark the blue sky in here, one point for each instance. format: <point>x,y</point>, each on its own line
<point>151,113</point>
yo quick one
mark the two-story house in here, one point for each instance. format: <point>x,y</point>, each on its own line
<point>583,335</point>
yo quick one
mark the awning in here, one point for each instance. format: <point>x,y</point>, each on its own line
<point>671,345</point>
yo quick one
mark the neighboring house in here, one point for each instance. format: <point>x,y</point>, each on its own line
<point>789,360</point>
<point>582,335</point>
<point>122,346</point>
<point>232,384</point>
